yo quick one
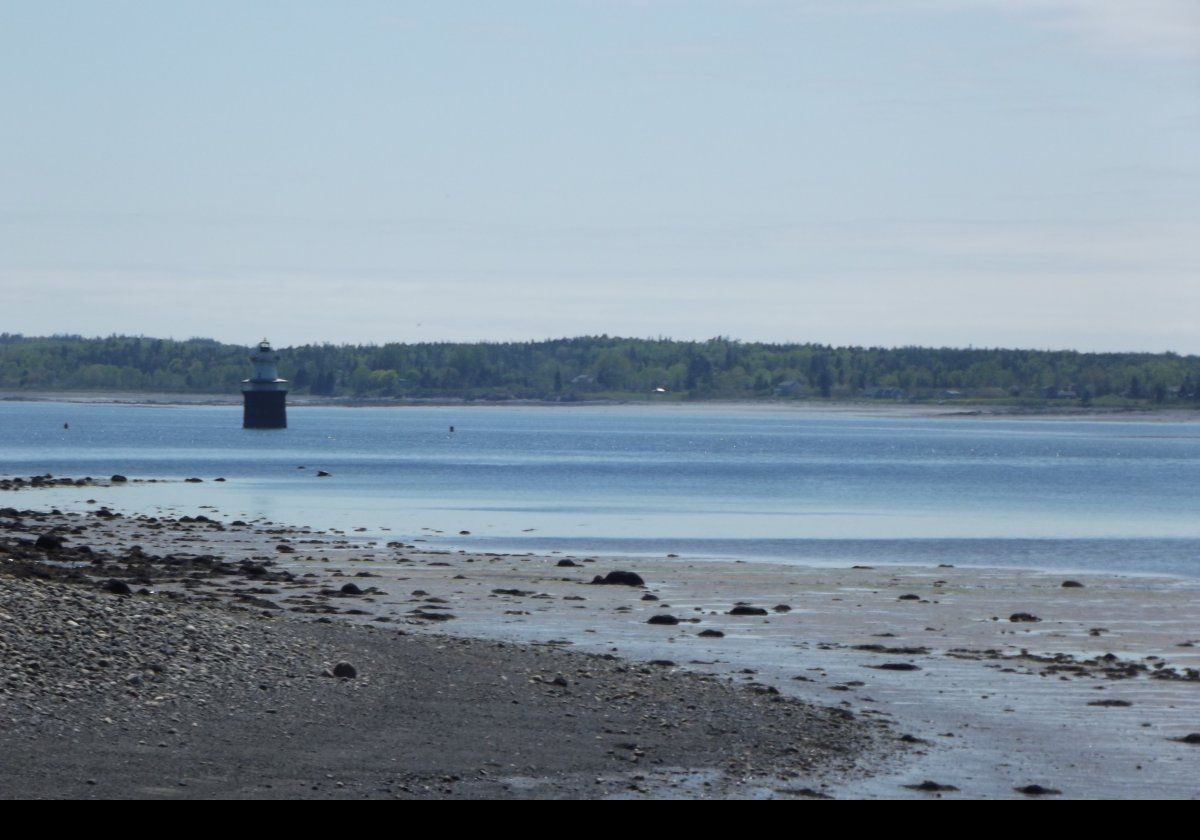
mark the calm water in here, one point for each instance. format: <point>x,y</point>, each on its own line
<point>711,482</point>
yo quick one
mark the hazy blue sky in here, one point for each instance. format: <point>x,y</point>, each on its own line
<point>987,172</point>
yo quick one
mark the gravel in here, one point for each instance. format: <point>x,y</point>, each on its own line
<point>165,694</point>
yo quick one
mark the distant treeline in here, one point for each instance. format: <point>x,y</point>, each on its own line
<point>599,366</point>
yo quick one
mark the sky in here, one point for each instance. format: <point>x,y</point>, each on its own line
<point>1016,173</point>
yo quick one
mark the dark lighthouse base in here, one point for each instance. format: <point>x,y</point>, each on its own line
<point>264,410</point>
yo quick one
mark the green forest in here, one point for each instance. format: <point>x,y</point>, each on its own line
<point>603,367</point>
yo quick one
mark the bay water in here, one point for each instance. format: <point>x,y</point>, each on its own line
<point>702,482</point>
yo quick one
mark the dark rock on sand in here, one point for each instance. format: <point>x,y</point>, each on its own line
<point>1071,584</point>
<point>742,609</point>
<point>1191,738</point>
<point>118,479</point>
<point>48,542</point>
<point>781,608</point>
<point>663,619</point>
<point>895,651</point>
<point>351,589</point>
<point>345,670</point>
<point>427,615</point>
<point>323,474</point>
<point>649,597</point>
<point>116,587</point>
<point>566,564</point>
<point>896,666</point>
<point>1037,790</point>
<point>711,634</point>
<point>1029,618</point>
<point>909,597</point>
<point>928,786</point>
<point>1112,704</point>
<point>619,578</point>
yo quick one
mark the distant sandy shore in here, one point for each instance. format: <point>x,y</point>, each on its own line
<point>949,410</point>
<point>986,681</point>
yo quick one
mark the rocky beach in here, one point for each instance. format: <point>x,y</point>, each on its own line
<point>200,655</point>
<point>129,673</point>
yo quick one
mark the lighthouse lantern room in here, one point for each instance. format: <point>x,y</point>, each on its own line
<point>264,395</point>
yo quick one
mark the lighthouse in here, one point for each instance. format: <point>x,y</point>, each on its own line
<point>264,394</point>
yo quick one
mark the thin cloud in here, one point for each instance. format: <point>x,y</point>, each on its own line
<point>1142,28</point>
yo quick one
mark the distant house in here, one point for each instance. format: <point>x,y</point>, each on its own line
<point>583,379</point>
<point>791,388</point>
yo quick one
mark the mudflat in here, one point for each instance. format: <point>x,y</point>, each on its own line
<point>124,678</point>
<point>707,678</point>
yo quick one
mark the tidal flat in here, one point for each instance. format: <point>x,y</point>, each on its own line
<point>485,674</point>
<point>134,674</point>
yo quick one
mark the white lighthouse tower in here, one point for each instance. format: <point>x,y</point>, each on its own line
<point>264,395</point>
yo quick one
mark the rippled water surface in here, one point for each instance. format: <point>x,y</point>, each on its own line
<point>708,482</point>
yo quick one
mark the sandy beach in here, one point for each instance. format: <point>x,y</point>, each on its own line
<point>844,682</point>
<point>133,674</point>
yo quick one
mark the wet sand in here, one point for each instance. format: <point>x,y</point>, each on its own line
<point>128,674</point>
<point>1094,698</point>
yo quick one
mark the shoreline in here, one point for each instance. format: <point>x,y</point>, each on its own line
<point>136,675</point>
<point>447,541</point>
<point>989,703</point>
<point>949,411</point>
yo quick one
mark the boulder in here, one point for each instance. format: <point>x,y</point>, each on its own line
<point>619,578</point>
<point>742,609</point>
<point>116,587</point>
<point>49,542</point>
